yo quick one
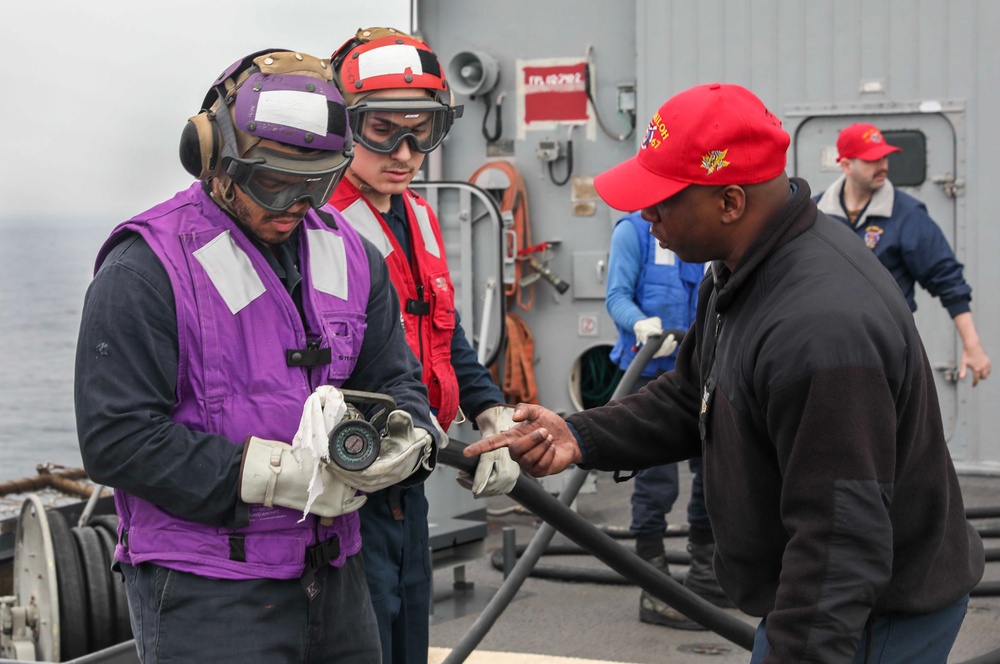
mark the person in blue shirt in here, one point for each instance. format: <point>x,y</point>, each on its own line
<point>651,290</point>
<point>897,228</point>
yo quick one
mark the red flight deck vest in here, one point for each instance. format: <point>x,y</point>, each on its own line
<point>426,294</point>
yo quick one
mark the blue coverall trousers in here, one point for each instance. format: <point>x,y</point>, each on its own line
<point>396,552</point>
<point>183,617</point>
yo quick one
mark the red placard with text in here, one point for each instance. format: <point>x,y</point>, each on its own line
<point>555,93</point>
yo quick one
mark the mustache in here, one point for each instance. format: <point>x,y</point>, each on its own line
<point>397,166</point>
<point>283,216</point>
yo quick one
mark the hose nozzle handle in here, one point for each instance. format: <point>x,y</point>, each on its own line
<point>548,275</point>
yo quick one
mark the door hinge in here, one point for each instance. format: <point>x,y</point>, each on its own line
<point>949,372</point>
<point>952,187</point>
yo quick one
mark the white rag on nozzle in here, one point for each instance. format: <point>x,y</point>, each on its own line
<point>322,411</point>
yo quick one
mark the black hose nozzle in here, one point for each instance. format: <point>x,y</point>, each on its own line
<point>548,275</point>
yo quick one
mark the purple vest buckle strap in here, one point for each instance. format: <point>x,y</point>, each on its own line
<point>321,554</point>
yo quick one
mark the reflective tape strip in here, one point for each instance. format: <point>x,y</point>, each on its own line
<point>361,217</point>
<point>394,59</point>
<point>424,222</point>
<point>292,108</point>
<point>327,262</point>
<point>230,271</point>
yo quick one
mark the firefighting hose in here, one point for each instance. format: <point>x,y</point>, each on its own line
<point>622,560</point>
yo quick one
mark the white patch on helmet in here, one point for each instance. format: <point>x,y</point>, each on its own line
<point>392,59</point>
<point>293,108</point>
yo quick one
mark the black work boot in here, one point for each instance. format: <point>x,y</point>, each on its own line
<point>649,547</point>
<point>656,612</point>
<point>701,576</point>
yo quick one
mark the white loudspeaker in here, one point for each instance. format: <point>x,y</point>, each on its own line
<point>472,73</point>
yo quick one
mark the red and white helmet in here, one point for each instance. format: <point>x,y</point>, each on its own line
<point>387,59</point>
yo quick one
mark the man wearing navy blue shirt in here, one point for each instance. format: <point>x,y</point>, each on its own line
<point>897,228</point>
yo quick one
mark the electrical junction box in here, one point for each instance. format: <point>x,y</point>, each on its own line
<point>590,275</point>
<point>547,150</point>
<point>626,97</point>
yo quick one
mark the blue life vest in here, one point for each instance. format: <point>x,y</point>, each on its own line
<point>668,288</point>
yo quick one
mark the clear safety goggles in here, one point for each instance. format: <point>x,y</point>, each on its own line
<point>381,124</point>
<point>277,180</point>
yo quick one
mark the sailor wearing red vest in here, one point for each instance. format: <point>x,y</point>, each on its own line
<point>396,90</point>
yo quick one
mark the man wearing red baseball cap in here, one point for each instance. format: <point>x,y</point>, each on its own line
<point>802,384</point>
<point>897,228</point>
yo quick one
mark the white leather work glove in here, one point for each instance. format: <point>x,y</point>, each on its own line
<point>646,328</point>
<point>668,346</point>
<point>404,450</point>
<point>496,473</point>
<point>270,475</point>
<point>442,436</point>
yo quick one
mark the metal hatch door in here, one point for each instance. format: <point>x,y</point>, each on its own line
<point>814,154</point>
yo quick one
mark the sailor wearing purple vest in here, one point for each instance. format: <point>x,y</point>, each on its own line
<point>212,318</point>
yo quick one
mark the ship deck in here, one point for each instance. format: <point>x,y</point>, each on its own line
<point>554,621</point>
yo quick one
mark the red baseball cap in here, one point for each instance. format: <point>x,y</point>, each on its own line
<point>863,141</point>
<point>714,134</point>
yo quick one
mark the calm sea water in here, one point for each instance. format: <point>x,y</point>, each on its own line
<point>45,268</point>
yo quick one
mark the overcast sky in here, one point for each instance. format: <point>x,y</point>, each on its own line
<point>94,95</point>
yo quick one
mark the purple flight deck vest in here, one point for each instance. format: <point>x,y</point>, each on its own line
<point>235,322</point>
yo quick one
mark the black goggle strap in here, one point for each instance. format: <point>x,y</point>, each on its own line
<point>337,58</point>
<point>226,129</point>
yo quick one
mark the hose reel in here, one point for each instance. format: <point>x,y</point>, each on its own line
<point>67,602</point>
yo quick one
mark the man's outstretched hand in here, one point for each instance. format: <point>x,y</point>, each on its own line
<point>540,442</point>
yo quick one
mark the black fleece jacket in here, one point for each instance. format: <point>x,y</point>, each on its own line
<point>827,477</point>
